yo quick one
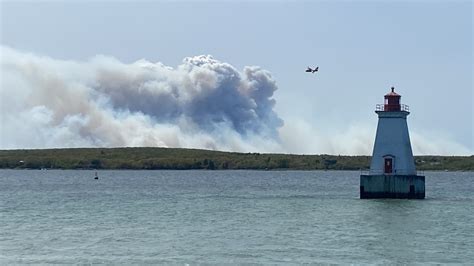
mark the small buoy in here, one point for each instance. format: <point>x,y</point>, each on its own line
<point>96,176</point>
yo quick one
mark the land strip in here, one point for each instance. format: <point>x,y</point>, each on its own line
<point>185,159</point>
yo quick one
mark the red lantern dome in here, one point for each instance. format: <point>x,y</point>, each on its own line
<point>392,101</point>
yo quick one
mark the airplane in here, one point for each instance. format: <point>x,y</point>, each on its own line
<point>312,70</point>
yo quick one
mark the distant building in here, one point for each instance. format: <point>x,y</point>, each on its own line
<point>392,170</point>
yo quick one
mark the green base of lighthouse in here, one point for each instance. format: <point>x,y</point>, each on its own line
<point>392,187</point>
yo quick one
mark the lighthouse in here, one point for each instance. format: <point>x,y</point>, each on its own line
<point>392,171</point>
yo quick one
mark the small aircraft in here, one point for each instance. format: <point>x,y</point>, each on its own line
<point>312,70</point>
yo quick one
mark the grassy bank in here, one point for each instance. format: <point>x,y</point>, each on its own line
<point>167,158</point>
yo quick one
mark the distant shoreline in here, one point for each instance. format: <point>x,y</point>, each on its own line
<point>195,159</point>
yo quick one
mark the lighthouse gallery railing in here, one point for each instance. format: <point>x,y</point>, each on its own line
<point>390,107</point>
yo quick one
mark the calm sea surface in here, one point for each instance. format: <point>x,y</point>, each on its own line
<point>191,217</point>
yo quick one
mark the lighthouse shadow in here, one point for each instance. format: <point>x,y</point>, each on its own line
<point>389,211</point>
<point>391,203</point>
<point>392,226</point>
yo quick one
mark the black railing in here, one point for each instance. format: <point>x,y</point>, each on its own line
<point>392,107</point>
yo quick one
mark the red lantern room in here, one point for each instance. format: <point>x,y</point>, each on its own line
<point>392,101</point>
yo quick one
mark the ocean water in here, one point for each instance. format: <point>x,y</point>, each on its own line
<point>193,217</point>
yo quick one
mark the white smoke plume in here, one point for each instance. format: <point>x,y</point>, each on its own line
<point>299,136</point>
<point>202,103</point>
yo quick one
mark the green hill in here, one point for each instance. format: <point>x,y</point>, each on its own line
<point>181,159</point>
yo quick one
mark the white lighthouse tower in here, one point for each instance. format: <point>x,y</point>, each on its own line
<point>392,170</point>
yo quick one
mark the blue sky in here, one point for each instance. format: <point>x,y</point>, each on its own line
<point>423,48</point>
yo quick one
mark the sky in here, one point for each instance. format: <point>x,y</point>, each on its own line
<point>258,54</point>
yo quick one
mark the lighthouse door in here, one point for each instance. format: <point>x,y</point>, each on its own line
<point>388,165</point>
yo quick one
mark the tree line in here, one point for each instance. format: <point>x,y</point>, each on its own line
<point>186,159</point>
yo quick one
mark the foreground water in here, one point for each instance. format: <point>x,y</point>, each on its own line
<point>189,217</point>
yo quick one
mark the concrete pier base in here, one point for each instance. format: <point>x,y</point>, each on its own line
<point>392,186</point>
